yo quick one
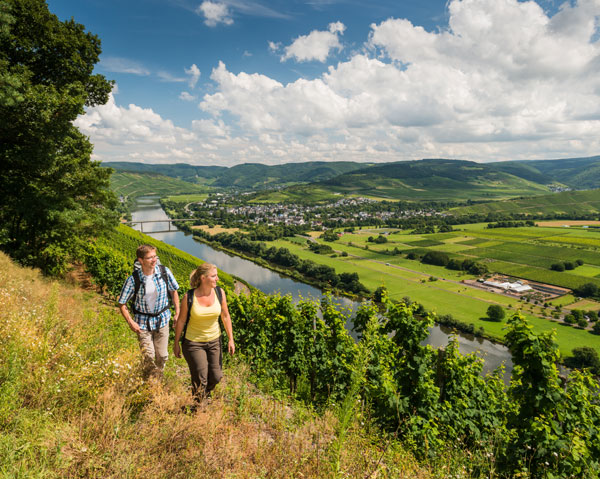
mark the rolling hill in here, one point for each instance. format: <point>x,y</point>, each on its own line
<point>572,203</point>
<point>580,173</point>
<point>421,180</point>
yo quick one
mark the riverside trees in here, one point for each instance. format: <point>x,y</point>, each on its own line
<point>53,194</point>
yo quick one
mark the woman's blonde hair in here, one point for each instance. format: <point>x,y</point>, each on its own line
<point>202,270</point>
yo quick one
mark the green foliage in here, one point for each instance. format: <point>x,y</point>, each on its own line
<point>435,257</point>
<point>584,357</point>
<point>330,235</point>
<point>495,312</point>
<point>552,429</point>
<point>52,193</point>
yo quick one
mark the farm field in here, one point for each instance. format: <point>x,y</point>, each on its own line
<point>520,252</point>
<point>216,229</point>
<point>187,198</point>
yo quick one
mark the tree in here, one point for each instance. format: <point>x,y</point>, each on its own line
<point>584,357</point>
<point>435,257</point>
<point>52,193</point>
<point>495,312</point>
<point>587,290</point>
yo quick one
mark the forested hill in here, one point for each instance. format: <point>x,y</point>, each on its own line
<point>180,171</point>
<point>428,179</point>
<point>434,179</point>
<point>579,173</point>
<point>246,176</point>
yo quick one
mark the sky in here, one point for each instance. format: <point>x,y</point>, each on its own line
<point>225,82</point>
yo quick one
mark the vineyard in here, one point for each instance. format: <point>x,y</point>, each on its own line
<point>540,425</point>
<point>110,260</point>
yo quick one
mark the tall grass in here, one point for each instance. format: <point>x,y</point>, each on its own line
<point>72,405</point>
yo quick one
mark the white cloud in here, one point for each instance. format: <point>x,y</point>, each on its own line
<point>167,77</point>
<point>185,96</point>
<point>504,81</point>
<point>123,65</point>
<point>194,73</point>
<point>317,45</point>
<point>214,13</point>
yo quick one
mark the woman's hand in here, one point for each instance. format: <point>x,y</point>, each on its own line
<point>176,349</point>
<point>231,347</point>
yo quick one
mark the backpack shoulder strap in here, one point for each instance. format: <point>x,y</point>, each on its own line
<point>163,273</point>
<point>219,293</point>
<point>190,302</point>
<point>137,282</point>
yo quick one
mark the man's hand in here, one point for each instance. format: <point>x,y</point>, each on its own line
<point>135,327</point>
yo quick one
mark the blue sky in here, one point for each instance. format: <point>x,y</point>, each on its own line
<point>235,81</point>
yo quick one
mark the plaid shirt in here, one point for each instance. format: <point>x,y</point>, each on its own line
<point>146,322</point>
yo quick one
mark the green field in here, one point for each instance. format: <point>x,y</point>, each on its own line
<point>520,252</point>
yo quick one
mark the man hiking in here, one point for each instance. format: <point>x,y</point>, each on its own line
<point>149,287</point>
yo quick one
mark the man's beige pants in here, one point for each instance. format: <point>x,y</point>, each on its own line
<point>155,351</point>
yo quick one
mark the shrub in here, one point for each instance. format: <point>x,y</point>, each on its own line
<point>495,312</point>
<point>584,357</point>
<point>436,258</point>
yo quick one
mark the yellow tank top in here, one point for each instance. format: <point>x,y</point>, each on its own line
<point>204,322</point>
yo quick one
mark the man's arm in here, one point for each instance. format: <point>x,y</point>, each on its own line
<point>125,313</point>
<point>126,293</point>
<point>175,297</point>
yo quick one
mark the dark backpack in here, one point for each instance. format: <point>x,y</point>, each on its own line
<point>190,302</point>
<point>137,282</point>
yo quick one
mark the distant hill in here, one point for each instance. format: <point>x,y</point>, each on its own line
<point>180,171</point>
<point>434,179</point>
<point>567,202</point>
<point>247,176</point>
<point>140,184</point>
<point>579,173</point>
<point>428,179</point>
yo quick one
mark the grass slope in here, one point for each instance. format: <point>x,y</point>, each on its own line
<point>72,405</point>
<point>573,203</point>
<point>146,184</point>
<point>574,172</point>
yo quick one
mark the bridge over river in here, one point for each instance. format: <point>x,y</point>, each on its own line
<point>154,230</point>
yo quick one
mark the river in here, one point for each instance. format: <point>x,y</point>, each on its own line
<point>270,282</point>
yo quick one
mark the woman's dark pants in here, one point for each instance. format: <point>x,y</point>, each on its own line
<point>205,361</point>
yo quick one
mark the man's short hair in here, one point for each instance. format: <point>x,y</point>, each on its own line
<point>143,250</point>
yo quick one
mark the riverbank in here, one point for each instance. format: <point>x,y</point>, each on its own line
<point>271,282</point>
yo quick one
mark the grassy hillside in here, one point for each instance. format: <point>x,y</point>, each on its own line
<point>575,172</point>
<point>72,405</point>
<point>182,171</point>
<point>441,180</point>
<point>246,176</point>
<point>573,203</point>
<point>258,176</point>
<point>142,184</point>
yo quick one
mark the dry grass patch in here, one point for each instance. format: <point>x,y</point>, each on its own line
<point>72,405</point>
<point>215,229</point>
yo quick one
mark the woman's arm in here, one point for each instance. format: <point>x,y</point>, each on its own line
<point>226,319</point>
<point>183,312</point>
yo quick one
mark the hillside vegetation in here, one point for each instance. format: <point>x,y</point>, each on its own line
<point>567,204</point>
<point>72,405</point>
<point>575,172</point>
<point>133,185</point>
<point>421,180</point>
